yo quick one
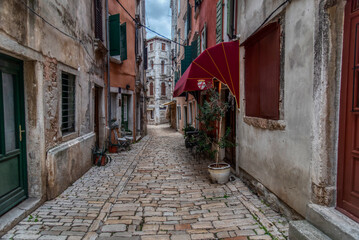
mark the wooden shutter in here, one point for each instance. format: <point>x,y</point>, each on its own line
<point>194,49</point>
<point>219,21</point>
<point>151,89</point>
<point>204,37</point>
<point>163,89</point>
<point>123,42</point>
<point>114,22</point>
<point>230,18</point>
<point>98,19</point>
<point>262,73</point>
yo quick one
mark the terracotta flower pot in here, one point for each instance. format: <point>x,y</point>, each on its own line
<point>113,149</point>
<point>100,160</point>
<point>219,173</point>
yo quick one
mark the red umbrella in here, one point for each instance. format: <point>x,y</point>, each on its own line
<point>219,62</point>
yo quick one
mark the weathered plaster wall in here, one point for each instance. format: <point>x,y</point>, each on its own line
<point>46,52</point>
<point>281,159</point>
<point>67,162</point>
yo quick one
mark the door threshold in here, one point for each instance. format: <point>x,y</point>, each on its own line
<point>18,213</point>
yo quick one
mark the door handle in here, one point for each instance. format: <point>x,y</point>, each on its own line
<point>20,133</point>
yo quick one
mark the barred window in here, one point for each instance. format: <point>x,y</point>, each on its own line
<point>68,103</point>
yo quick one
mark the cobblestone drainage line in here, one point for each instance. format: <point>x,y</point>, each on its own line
<point>269,227</point>
<point>106,209</point>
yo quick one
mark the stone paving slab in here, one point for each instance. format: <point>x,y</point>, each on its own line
<point>155,191</point>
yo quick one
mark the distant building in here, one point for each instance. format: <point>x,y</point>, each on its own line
<point>159,81</point>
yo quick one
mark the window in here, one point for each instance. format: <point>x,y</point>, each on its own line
<point>179,6</point>
<point>118,37</point>
<point>151,89</point>
<point>162,67</point>
<point>230,18</point>
<point>163,46</point>
<point>98,19</point>
<point>152,117</point>
<point>151,64</point>
<point>68,103</point>
<point>163,89</point>
<point>204,38</point>
<point>179,112</point>
<point>151,46</point>
<point>190,113</point>
<point>262,73</point>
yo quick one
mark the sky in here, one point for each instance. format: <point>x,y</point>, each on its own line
<point>158,17</point>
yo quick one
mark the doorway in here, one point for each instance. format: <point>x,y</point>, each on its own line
<point>96,116</point>
<point>13,176</point>
<point>348,152</point>
<point>230,122</point>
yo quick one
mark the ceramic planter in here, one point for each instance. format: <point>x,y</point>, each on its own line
<point>219,173</point>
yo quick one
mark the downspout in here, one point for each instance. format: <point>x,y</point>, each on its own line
<point>108,74</point>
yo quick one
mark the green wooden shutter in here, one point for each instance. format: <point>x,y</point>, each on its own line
<point>114,22</point>
<point>123,42</point>
<point>230,18</point>
<point>194,49</point>
<point>219,23</point>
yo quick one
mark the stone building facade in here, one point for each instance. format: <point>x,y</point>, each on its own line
<point>159,80</point>
<point>52,71</point>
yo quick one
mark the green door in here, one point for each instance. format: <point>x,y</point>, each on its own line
<point>125,112</point>
<point>13,177</point>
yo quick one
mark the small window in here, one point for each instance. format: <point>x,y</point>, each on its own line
<point>151,64</point>
<point>262,73</point>
<point>151,89</point>
<point>163,67</point>
<point>163,46</point>
<point>151,46</point>
<point>152,117</point>
<point>68,103</point>
<point>163,89</point>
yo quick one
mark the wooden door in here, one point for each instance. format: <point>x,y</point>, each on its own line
<point>125,112</point>
<point>348,155</point>
<point>13,178</point>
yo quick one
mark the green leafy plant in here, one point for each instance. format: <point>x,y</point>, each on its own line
<point>211,112</point>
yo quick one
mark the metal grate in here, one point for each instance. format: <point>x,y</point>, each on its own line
<point>68,103</point>
<point>98,19</point>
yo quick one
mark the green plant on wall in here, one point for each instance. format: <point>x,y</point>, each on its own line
<point>211,112</point>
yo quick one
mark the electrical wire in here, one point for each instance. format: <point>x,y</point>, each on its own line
<point>58,29</point>
<point>149,29</point>
<point>270,15</point>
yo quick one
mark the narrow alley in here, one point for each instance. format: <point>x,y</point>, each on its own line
<point>155,191</point>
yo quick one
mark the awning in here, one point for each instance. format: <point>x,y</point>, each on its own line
<point>220,62</point>
<point>169,103</point>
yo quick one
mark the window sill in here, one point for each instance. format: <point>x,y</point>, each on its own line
<point>69,136</point>
<point>265,123</point>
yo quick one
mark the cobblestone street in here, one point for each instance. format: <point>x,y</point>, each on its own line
<point>155,191</point>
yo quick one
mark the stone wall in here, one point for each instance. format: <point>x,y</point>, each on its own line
<point>46,53</point>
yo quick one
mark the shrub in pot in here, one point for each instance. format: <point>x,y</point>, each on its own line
<point>207,143</point>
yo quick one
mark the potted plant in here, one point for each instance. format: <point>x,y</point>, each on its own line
<point>99,156</point>
<point>207,142</point>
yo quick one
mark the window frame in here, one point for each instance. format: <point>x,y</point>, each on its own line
<point>163,46</point>
<point>72,129</point>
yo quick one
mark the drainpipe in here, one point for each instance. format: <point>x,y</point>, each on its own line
<point>108,74</point>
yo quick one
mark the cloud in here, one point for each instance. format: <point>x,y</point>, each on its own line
<point>158,17</point>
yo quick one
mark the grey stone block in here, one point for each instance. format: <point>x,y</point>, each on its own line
<point>332,222</point>
<point>302,230</point>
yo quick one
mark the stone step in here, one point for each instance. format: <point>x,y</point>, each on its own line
<point>332,222</point>
<point>303,230</point>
